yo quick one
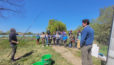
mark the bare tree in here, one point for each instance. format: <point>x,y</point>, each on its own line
<point>9,7</point>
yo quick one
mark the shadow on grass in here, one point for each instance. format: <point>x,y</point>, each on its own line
<point>25,55</point>
<point>53,62</point>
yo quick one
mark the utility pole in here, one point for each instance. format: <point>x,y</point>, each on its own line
<point>110,60</point>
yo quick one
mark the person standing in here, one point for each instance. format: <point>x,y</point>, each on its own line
<point>65,40</point>
<point>78,39</point>
<point>61,38</point>
<point>38,38</point>
<point>54,38</point>
<point>57,38</point>
<point>47,40</point>
<point>71,40</point>
<point>87,37</point>
<point>13,42</point>
<point>43,39</point>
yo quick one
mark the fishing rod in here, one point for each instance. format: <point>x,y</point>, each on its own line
<point>27,30</point>
<point>35,20</point>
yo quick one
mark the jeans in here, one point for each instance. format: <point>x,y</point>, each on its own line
<point>65,42</point>
<point>57,41</point>
<point>70,44</point>
<point>46,41</point>
<point>14,47</point>
<point>54,41</point>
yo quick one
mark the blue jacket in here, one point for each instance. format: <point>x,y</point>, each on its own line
<point>87,36</point>
<point>65,38</point>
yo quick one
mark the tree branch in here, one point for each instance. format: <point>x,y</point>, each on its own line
<point>11,3</point>
<point>7,9</point>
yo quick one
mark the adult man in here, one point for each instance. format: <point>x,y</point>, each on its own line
<point>87,37</point>
<point>13,42</point>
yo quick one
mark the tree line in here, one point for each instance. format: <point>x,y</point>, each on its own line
<point>102,25</point>
<point>55,25</point>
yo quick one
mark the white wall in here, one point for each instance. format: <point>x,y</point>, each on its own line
<point>110,60</point>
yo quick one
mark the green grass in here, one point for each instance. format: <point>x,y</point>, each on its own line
<point>103,49</point>
<point>24,47</point>
<point>77,53</point>
<point>96,61</point>
<point>29,44</point>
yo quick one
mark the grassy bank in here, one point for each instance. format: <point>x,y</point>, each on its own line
<point>28,52</point>
<point>102,48</point>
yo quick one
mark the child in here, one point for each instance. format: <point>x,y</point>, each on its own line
<point>38,38</point>
<point>78,39</point>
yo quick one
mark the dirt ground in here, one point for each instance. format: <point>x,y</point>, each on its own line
<point>68,55</point>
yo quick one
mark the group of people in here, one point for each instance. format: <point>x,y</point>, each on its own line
<point>84,41</point>
<point>59,38</point>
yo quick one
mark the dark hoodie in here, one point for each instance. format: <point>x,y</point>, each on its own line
<point>12,36</point>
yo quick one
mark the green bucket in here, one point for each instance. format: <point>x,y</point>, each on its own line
<point>38,63</point>
<point>46,59</point>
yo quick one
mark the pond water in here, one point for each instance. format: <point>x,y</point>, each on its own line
<point>17,35</point>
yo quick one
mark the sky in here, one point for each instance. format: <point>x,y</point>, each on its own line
<point>70,12</point>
